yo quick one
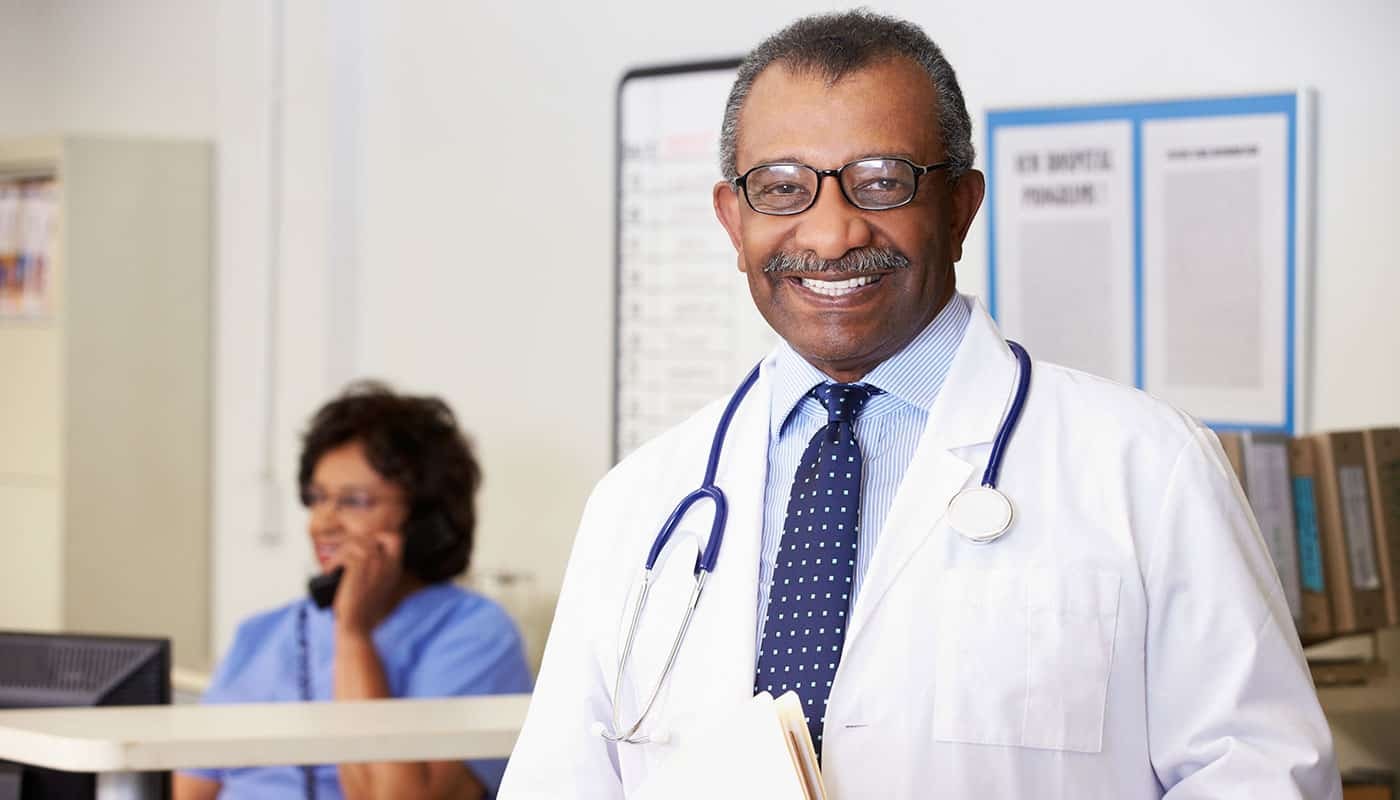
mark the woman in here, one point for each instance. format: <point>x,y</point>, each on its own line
<point>389,482</point>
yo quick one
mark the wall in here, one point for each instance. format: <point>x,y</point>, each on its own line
<point>464,106</point>
<point>408,250</point>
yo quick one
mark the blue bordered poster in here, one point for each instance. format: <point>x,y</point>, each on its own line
<point>1160,244</point>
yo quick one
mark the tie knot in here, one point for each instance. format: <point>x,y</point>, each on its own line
<point>843,401</point>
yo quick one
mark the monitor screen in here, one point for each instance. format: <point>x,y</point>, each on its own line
<point>39,670</point>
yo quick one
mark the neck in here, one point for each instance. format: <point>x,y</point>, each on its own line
<point>856,369</point>
<point>408,584</point>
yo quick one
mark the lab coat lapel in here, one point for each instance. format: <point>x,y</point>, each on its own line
<point>967,412</point>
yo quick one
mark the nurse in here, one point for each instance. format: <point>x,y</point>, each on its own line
<point>389,483</point>
<point>1124,636</point>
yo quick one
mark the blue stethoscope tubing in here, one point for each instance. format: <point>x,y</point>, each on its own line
<point>1013,415</point>
<point>705,560</point>
<point>704,565</point>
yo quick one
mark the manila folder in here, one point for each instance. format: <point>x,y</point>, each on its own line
<point>762,750</point>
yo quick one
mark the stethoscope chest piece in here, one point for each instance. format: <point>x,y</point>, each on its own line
<point>980,514</point>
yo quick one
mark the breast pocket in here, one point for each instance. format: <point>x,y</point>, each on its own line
<point>1023,657</point>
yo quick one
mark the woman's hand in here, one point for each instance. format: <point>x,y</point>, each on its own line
<point>369,590</point>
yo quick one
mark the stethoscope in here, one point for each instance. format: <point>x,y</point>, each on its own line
<point>980,514</point>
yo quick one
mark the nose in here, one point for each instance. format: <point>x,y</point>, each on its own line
<point>322,518</point>
<point>832,227</point>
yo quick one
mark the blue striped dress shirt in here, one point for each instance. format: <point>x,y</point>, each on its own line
<point>887,430</point>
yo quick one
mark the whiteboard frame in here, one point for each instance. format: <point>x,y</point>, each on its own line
<point>637,73</point>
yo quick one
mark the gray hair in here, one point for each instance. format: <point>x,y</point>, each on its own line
<point>835,45</point>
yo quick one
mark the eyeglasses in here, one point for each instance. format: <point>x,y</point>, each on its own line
<point>871,184</point>
<point>354,502</point>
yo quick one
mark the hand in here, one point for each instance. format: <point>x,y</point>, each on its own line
<point>368,591</point>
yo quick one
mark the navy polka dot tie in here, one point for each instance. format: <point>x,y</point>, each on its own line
<point>810,595</point>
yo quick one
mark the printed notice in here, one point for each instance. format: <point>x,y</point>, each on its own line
<point>1064,244</point>
<point>1214,238</point>
<point>1161,244</point>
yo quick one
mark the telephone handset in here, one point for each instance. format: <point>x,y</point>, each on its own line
<point>426,538</point>
<point>322,587</point>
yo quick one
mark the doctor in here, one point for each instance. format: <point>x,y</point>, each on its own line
<point>1124,636</point>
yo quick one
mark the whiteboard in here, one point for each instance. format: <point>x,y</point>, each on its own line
<point>686,330</point>
<point>1161,244</point>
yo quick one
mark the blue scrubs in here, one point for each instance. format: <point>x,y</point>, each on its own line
<point>441,641</point>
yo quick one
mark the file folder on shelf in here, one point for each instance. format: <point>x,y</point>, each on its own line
<point>762,750</point>
<point>1312,574</point>
<point>1268,484</point>
<point>1383,470</point>
<point>1348,534</point>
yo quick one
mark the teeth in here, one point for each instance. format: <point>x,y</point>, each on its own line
<point>838,288</point>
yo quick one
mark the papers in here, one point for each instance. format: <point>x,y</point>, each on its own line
<point>762,750</point>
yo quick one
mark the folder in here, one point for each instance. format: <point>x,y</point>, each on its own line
<point>1312,576</point>
<point>762,750</point>
<point>1383,470</point>
<point>1268,485</point>
<point>1348,535</point>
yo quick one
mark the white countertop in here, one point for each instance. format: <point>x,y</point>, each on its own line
<point>131,738</point>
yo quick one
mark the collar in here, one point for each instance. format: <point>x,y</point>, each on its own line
<point>914,375</point>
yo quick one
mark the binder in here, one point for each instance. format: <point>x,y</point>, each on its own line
<point>762,750</point>
<point>1312,576</point>
<point>9,247</point>
<point>1233,445</point>
<point>1348,536</point>
<point>1383,471</point>
<point>1268,485</point>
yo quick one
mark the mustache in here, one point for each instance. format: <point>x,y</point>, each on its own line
<point>862,259</point>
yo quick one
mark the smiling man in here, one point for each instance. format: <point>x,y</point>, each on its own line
<point>1120,634</point>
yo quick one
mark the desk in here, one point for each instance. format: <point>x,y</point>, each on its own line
<point>121,741</point>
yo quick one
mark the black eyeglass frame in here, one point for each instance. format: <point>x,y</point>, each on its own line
<point>740,183</point>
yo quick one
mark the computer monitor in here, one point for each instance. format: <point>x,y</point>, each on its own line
<point>39,670</point>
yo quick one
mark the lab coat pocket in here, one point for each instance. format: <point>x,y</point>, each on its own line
<point>1023,657</point>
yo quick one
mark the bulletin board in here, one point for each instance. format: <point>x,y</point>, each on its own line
<point>1160,244</point>
<point>686,330</point>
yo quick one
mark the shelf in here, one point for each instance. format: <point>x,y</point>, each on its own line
<point>1373,698</point>
<point>1355,674</point>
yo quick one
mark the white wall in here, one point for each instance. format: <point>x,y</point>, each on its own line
<point>401,258</point>
<point>143,67</point>
<point>516,326</point>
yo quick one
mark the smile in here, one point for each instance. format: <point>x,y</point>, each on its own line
<point>839,288</point>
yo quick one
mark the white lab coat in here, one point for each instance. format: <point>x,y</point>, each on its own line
<point>1127,638</point>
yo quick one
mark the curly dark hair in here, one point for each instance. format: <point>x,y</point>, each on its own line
<point>413,442</point>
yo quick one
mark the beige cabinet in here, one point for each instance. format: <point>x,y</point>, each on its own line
<point>105,397</point>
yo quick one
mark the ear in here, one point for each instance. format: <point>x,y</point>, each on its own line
<point>726,199</point>
<point>967,198</point>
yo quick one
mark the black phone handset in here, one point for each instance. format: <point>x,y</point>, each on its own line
<point>322,587</point>
<point>428,536</point>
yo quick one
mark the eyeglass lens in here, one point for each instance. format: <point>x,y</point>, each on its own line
<point>872,184</point>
